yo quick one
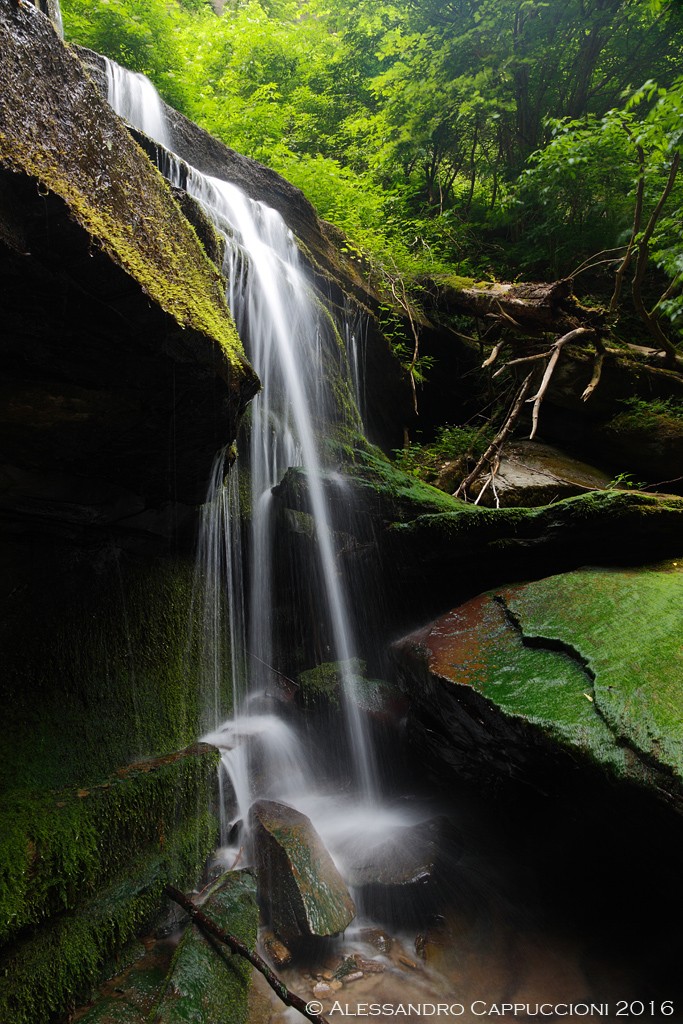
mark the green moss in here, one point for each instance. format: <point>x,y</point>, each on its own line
<point>109,185</point>
<point>591,681</point>
<point>324,681</point>
<point>110,675</point>
<point>100,671</point>
<point>637,670</point>
<point>56,847</point>
<point>401,496</point>
<point>469,522</point>
<point>50,969</point>
<point>206,985</point>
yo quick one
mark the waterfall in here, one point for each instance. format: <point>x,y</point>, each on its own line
<point>134,98</point>
<point>291,342</point>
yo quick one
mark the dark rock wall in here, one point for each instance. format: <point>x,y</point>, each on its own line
<point>122,376</point>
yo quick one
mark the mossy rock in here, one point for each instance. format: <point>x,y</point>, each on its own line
<point>206,984</point>
<point>588,663</point>
<point>58,129</point>
<point>321,686</point>
<point>52,967</point>
<point>300,889</point>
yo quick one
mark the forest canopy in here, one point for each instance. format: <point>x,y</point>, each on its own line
<point>488,138</point>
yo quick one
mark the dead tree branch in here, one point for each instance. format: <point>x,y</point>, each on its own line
<point>556,351</point>
<point>209,927</point>
<point>498,441</point>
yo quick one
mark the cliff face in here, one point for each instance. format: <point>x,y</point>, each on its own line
<point>122,377</point>
<point>337,278</point>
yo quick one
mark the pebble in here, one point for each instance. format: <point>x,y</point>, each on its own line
<point>407,962</point>
<point>322,989</point>
<point>368,966</point>
<point>354,976</point>
<point>377,938</point>
<point>276,950</point>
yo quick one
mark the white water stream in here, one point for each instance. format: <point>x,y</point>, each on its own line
<point>290,340</point>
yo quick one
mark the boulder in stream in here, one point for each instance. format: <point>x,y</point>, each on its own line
<point>582,667</point>
<point>300,889</point>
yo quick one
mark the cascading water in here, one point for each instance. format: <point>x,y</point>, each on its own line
<point>292,343</point>
<point>134,97</point>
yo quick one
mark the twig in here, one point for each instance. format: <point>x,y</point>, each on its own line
<point>549,370</point>
<point>208,926</point>
<point>597,369</point>
<point>498,440</point>
<point>494,353</point>
<point>522,359</point>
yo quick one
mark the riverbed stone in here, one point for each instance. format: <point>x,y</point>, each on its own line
<point>300,889</point>
<point>589,663</point>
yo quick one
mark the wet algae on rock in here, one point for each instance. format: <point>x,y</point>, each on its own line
<point>585,664</point>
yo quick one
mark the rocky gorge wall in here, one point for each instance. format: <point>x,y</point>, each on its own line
<point>122,377</point>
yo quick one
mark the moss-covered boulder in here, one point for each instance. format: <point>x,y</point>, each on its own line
<point>584,666</point>
<point>300,889</point>
<point>117,341</point>
<point>184,977</point>
<point>416,547</point>
<point>82,871</point>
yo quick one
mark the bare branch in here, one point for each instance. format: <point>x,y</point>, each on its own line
<point>206,925</point>
<point>495,446</point>
<point>495,352</point>
<point>550,369</point>
<point>597,369</point>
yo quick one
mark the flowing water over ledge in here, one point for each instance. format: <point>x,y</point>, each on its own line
<point>295,346</point>
<point>480,931</point>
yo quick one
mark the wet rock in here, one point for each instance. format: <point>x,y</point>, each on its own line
<point>322,687</point>
<point>377,938</point>
<point>200,988</point>
<point>533,474</point>
<point>300,889</point>
<point>509,681</point>
<point>368,966</point>
<point>322,988</point>
<point>276,951</point>
<point>407,857</point>
<point>405,961</point>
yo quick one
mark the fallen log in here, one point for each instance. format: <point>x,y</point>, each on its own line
<point>528,308</point>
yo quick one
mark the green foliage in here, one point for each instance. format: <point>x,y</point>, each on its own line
<point>407,124</point>
<point>650,415</point>
<point>425,460</point>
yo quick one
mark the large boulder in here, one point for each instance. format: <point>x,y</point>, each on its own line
<point>300,889</point>
<point>582,667</point>
<point>117,340</point>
